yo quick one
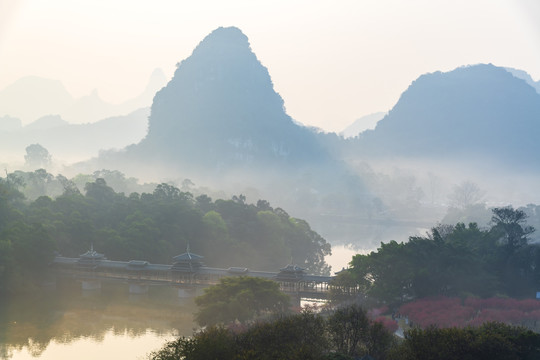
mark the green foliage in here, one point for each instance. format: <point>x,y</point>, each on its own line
<point>301,336</point>
<point>37,156</point>
<point>7,266</point>
<point>240,299</point>
<point>349,327</point>
<point>465,195</point>
<point>152,226</point>
<point>27,249</point>
<point>99,191</point>
<point>212,343</point>
<point>491,341</point>
<point>10,199</point>
<point>510,223</point>
<point>454,261</point>
<point>352,333</point>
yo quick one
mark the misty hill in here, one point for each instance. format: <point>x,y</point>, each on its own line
<point>46,122</point>
<point>72,142</point>
<point>8,123</point>
<point>478,111</point>
<point>361,124</point>
<point>33,97</point>
<point>220,112</point>
<point>220,123</point>
<point>525,76</point>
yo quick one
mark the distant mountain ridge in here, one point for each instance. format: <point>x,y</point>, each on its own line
<point>32,97</point>
<point>220,123</point>
<point>364,123</point>
<point>46,122</point>
<point>220,111</point>
<point>525,76</point>
<point>71,142</point>
<point>479,110</point>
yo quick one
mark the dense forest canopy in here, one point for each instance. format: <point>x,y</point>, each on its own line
<point>345,333</point>
<point>350,333</point>
<point>152,226</point>
<point>454,260</point>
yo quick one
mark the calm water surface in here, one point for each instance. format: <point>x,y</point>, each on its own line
<point>68,323</point>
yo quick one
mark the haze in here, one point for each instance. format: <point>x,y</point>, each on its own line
<point>331,62</point>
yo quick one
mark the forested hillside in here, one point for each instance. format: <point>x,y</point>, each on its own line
<point>220,113</point>
<point>454,260</point>
<point>152,226</point>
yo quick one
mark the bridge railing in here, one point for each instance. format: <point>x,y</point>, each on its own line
<point>162,274</point>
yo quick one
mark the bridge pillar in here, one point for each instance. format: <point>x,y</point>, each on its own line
<point>92,284</point>
<point>138,288</point>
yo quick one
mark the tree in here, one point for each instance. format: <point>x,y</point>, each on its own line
<point>386,274</point>
<point>309,247</point>
<point>187,185</point>
<point>37,157</point>
<point>263,205</point>
<point>9,198</point>
<point>491,341</point>
<point>307,335</point>
<point>300,336</point>
<point>70,188</point>
<point>349,329</point>
<point>240,298</point>
<point>511,223</point>
<point>99,191</point>
<point>450,261</point>
<point>466,194</point>
<point>116,180</point>
<point>240,199</point>
<point>33,248</point>
<point>296,337</point>
<point>37,183</point>
<point>211,343</point>
<point>169,192</point>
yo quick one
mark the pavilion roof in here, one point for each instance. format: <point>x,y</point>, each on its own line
<point>187,257</point>
<point>92,255</point>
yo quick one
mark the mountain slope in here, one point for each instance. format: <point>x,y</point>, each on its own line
<point>32,97</point>
<point>220,123</point>
<point>479,110</point>
<point>74,142</point>
<point>525,76</point>
<point>220,111</point>
<point>361,124</point>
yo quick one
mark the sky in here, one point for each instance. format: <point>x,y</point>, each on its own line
<point>331,61</point>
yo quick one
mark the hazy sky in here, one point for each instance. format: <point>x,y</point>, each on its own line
<point>331,61</point>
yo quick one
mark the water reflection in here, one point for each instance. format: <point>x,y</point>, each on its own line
<point>69,323</point>
<point>113,346</point>
<point>67,316</point>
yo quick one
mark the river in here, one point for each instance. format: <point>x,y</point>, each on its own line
<point>67,323</point>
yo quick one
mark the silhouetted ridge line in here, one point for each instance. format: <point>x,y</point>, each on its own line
<point>220,111</point>
<point>479,110</point>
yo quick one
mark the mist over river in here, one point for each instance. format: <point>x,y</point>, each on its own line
<point>67,323</point>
